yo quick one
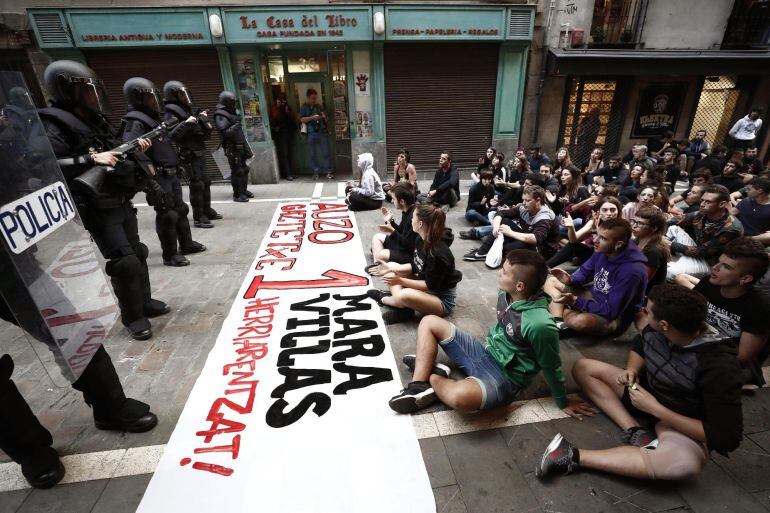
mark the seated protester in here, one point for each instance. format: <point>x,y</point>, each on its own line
<point>681,159</point>
<point>529,225</point>
<point>396,241</point>
<point>499,172</point>
<point>630,188</point>
<point>714,162</point>
<point>573,198</point>
<point>640,155</point>
<point>680,378</point>
<point>645,199</point>
<point>552,184</point>
<point>562,161</point>
<point>656,147</point>
<point>751,164</point>
<point>736,196</point>
<point>445,188</point>
<point>649,227</point>
<point>481,199</point>
<point>608,173</point>
<point>428,283</point>
<point>697,149</point>
<point>700,237</point>
<point>729,177</point>
<point>369,194</point>
<point>617,269</point>
<point>754,210</point>
<point>737,308</point>
<point>688,202</point>
<point>594,164</point>
<point>403,171</point>
<point>537,157</point>
<point>484,164</point>
<point>581,243</point>
<point>523,343</point>
<point>702,177</point>
<point>670,168</point>
<point>512,187</point>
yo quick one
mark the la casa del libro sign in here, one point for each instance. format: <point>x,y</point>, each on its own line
<point>306,25</point>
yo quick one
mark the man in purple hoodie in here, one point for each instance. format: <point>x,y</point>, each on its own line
<point>619,274</point>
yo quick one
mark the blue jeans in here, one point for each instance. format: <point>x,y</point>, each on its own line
<point>472,358</point>
<point>472,215</point>
<point>319,138</point>
<point>482,231</point>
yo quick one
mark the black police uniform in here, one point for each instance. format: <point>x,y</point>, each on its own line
<point>190,140</point>
<point>170,209</point>
<point>234,142</point>
<point>108,215</point>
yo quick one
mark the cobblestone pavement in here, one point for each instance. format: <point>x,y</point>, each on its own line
<point>475,464</point>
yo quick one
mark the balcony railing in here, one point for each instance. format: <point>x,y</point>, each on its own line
<point>616,23</point>
<point>748,26</point>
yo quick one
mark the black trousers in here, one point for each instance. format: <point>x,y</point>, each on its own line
<point>358,202</point>
<point>508,243</point>
<point>240,175</point>
<point>284,143</point>
<point>572,250</point>
<point>171,223</point>
<point>200,187</point>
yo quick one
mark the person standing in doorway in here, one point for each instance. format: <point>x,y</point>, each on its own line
<point>284,124</point>
<point>744,131</point>
<point>313,115</point>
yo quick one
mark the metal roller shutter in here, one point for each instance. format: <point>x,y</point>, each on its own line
<point>440,97</point>
<point>197,68</point>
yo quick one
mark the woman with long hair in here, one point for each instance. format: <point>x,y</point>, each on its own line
<point>514,185</point>
<point>573,196</point>
<point>581,243</point>
<point>647,197</point>
<point>562,161</point>
<point>595,162</point>
<point>484,163</point>
<point>427,284</point>
<point>649,227</point>
<point>403,171</point>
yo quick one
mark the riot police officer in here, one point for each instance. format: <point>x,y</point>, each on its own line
<point>190,141</point>
<point>81,138</point>
<point>144,114</point>
<point>236,147</point>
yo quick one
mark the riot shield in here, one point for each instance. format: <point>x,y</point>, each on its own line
<point>51,280</point>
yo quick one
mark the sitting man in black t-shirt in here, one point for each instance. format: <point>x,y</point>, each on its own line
<point>754,210</point>
<point>395,242</point>
<point>681,378</point>
<point>736,308</point>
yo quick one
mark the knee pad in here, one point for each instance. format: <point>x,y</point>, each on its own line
<point>141,251</point>
<point>182,209</point>
<point>126,265</point>
<point>166,219</point>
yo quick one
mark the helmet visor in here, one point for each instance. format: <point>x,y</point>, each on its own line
<point>152,99</point>
<point>93,96</point>
<point>184,97</point>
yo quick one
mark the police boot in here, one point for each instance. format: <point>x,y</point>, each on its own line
<point>126,275</point>
<point>151,307</point>
<point>200,217</point>
<point>210,212</point>
<point>186,244</point>
<point>165,227</point>
<point>103,392</point>
<point>22,437</point>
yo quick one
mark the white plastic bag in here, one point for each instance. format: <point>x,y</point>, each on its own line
<point>495,255</point>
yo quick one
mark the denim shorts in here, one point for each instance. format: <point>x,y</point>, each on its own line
<point>473,359</point>
<point>448,300</point>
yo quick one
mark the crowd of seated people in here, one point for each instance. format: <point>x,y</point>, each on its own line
<point>668,242</point>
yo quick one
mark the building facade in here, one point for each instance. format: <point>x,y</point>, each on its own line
<point>425,77</point>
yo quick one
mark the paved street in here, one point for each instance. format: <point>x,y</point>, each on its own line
<point>476,464</point>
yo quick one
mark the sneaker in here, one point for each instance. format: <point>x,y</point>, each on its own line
<point>468,234</point>
<point>560,324</point>
<point>378,295</point>
<point>438,368</point>
<point>315,177</point>
<point>640,437</point>
<point>397,315</point>
<point>416,396</point>
<point>556,458</point>
<point>330,176</point>
<point>475,256</point>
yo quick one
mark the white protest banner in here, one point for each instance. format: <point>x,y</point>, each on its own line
<point>290,413</point>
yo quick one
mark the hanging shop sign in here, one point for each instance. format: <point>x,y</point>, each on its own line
<point>139,27</point>
<point>287,25</point>
<point>290,413</point>
<point>660,106</point>
<point>414,23</point>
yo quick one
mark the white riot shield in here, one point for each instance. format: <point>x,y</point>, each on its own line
<point>51,280</point>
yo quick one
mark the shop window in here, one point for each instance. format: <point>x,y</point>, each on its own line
<point>362,85</point>
<point>275,72</point>
<point>716,106</point>
<point>252,110</point>
<point>589,118</point>
<point>340,92</point>
<point>306,64</point>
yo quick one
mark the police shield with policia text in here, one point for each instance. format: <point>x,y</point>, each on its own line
<point>190,139</point>
<point>65,311</point>
<point>82,138</point>
<point>171,224</point>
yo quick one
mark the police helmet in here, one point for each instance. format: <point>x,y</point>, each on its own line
<point>140,92</point>
<point>20,97</point>
<point>73,84</point>
<point>176,91</point>
<point>227,98</point>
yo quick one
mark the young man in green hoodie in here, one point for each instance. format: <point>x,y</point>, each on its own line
<point>522,343</point>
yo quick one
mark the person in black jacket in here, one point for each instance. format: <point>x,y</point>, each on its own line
<point>236,146</point>
<point>681,377</point>
<point>190,141</point>
<point>80,136</point>
<point>144,114</point>
<point>481,199</point>
<point>445,189</point>
<point>428,283</point>
<point>395,242</point>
